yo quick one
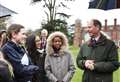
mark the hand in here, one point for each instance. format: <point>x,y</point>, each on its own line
<point>33,68</point>
<point>36,68</point>
<point>89,64</point>
<point>91,67</point>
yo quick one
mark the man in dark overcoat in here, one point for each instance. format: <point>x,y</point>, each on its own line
<point>98,57</point>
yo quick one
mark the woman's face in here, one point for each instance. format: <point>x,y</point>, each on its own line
<point>37,41</point>
<point>57,42</point>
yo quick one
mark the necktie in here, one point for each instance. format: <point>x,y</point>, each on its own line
<point>93,42</point>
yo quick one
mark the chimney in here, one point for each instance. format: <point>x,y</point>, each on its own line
<point>115,23</point>
<point>105,24</point>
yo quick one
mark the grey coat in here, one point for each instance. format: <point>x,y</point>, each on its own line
<point>59,68</point>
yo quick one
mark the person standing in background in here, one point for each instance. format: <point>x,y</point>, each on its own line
<point>98,57</point>
<point>43,36</point>
<point>3,37</point>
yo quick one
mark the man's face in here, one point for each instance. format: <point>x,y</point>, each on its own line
<point>20,37</point>
<point>44,34</point>
<point>92,29</point>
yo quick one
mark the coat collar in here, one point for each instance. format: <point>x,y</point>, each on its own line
<point>18,48</point>
<point>100,41</point>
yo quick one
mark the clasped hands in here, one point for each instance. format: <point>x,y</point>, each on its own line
<point>89,64</point>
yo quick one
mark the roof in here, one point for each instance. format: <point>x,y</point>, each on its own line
<point>4,12</point>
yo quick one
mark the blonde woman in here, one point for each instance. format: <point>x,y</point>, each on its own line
<point>6,70</point>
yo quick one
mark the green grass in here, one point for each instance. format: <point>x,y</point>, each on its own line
<point>117,73</point>
<point>78,73</point>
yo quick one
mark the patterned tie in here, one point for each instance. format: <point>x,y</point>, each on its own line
<point>93,42</point>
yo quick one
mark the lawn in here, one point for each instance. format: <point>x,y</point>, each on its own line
<point>78,74</point>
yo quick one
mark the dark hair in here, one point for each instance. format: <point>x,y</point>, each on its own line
<point>59,37</point>
<point>30,44</point>
<point>97,23</point>
<point>14,28</point>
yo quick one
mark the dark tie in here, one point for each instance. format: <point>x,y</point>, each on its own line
<point>93,42</point>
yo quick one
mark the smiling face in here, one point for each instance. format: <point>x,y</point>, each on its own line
<point>20,37</point>
<point>92,29</point>
<point>57,42</point>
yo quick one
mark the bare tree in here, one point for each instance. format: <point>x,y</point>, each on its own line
<point>51,12</point>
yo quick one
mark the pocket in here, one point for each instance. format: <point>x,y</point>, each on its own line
<point>97,79</point>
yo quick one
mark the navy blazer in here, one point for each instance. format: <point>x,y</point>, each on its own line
<point>14,53</point>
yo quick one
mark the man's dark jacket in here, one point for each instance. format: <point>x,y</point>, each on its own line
<point>14,53</point>
<point>105,55</point>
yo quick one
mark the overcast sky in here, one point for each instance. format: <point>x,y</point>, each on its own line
<point>32,15</point>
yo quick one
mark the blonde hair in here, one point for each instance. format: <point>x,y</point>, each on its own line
<point>10,68</point>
